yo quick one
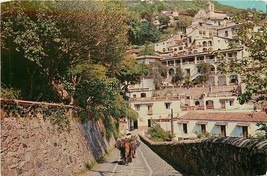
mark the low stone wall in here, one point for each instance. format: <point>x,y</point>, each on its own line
<point>35,145</point>
<point>225,156</point>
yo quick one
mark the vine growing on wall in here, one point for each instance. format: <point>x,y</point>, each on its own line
<point>57,115</point>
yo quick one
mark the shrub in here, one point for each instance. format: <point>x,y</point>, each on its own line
<point>157,134</point>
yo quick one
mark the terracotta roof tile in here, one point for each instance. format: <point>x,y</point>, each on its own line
<point>226,116</point>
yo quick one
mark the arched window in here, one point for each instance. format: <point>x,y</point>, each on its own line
<point>210,43</point>
<point>209,103</point>
<point>205,50</point>
<point>197,103</point>
<point>195,51</point>
<point>204,44</point>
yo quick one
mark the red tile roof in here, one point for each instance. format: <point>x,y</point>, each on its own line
<point>226,116</point>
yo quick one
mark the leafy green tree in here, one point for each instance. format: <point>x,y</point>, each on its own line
<point>148,50</point>
<point>164,19</point>
<point>204,69</point>
<point>179,76</point>
<point>158,72</point>
<point>252,69</point>
<point>187,81</point>
<point>183,22</point>
<point>262,127</point>
<point>131,73</point>
<point>30,49</point>
<point>142,32</point>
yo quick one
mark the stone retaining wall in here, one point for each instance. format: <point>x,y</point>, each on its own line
<point>34,146</point>
<point>224,156</point>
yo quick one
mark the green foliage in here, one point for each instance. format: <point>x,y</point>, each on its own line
<point>179,76</point>
<point>164,19</point>
<point>252,69</point>
<point>90,165</point>
<point>58,115</point>
<point>131,114</point>
<point>10,93</point>
<point>148,50</point>
<point>187,81</point>
<point>204,70</point>
<point>49,44</point>
<point>183,22</point>
<point>157,134</point>
<point>262,127</point>
<point>157,71</point>
<point>111,128</point>
<point>142,32</point>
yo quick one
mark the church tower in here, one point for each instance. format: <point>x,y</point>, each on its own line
<point>209,7</point>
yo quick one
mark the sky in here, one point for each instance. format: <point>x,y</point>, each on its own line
<point>244,4</point>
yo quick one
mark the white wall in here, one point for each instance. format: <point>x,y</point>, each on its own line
<point>158,110</point>
<point>231,129</point>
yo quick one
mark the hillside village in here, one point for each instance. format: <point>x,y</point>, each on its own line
<point>190,110</point>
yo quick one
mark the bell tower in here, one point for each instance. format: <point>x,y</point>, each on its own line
<point>209,7</point>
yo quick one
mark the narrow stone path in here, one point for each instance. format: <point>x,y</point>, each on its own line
<point>146,163</point>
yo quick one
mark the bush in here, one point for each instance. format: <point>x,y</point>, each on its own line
<point>10,93</point>
<point>157,134</point>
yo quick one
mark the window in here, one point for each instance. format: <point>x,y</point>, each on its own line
<point>185,128</point>
<point>167,105</point>
<point>137,107</point>
<point>245,131</point>
<point>134,95</point>
<point>226,33</point>
<point>149,123</point>
<point>231,103</point>
<point>223,130</point>
<point>210,43</point>
<point>203,128</point>
<point>143,94</point>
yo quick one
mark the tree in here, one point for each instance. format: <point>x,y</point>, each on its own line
<point>48,43</point>
<point>183,22</point>
<point>141,32</point>
<point>187,81</point>
<point>262,127</point>
<point>164,19</point>
<point>179,76</point>
<point>30,49</point>
<point>204,69</point>
<point>130,73</point>
<point>252,69</point>
<point>158,72</point>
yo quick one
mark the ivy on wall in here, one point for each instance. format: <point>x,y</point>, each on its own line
<point>57,115</point>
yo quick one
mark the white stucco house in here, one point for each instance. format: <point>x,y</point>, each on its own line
<point>235,124</point>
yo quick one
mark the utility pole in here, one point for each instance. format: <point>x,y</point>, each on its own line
<point>172,122</point>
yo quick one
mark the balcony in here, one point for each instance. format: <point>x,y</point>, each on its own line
<point>210,107</point>
<point>149,112</point>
